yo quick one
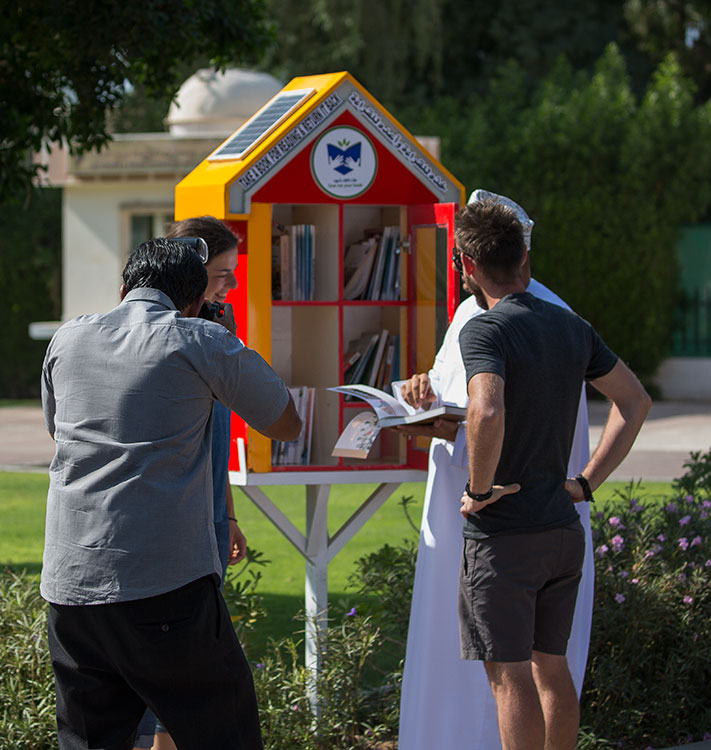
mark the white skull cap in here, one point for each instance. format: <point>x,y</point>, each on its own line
<point>479,196</point>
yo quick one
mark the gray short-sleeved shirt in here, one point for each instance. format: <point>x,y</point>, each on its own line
<point>128,396</point>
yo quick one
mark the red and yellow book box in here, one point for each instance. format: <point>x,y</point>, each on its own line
<point>346,229</point>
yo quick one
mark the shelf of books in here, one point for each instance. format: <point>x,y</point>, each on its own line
<point>344,275</point>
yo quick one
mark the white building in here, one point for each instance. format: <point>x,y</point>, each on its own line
<point>123,195</point>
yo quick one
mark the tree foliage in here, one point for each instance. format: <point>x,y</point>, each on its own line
<point>64,64</point>
<point>607,177</point>
<point>30,285</point>
<point>658,27</point>
<point>413,52</point>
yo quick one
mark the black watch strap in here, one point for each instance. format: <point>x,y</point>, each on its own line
<point>481,497</point>
<point>587,492</point>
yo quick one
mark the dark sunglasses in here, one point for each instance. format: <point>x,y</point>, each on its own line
<point>457,260</point>
<point>198,244</point>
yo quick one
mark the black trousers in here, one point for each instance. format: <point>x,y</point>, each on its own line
<point>176,653</point>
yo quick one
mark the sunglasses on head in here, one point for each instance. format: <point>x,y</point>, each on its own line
<point>198,244</point>
<point>457,260</point>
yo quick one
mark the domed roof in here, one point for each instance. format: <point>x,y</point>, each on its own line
<point>212,102</point>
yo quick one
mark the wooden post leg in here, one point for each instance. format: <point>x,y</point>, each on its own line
<point>316,576</point>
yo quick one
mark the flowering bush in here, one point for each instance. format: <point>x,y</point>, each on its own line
<point>649,668</point>
<point>352,713</point>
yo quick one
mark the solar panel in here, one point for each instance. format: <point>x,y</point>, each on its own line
<point>257,127</point>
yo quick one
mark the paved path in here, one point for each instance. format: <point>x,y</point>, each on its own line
<point>671,432</point>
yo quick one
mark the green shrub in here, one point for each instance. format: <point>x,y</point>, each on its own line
<point>240,592</point>
<point>26,684</point>
<point>650,653</point>
<point>607,177</point>
<point>351,714</point>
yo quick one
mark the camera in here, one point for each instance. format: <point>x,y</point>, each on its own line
<point>214,311</point>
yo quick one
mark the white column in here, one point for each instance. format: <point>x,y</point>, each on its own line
<point>316,572</point>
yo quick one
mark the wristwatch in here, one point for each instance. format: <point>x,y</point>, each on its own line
<point>480,497</point>
<point>587,492</point>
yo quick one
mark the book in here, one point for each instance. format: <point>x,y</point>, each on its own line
<point>297,451</point>
<point>358,437</point>
<point>357,266</point>
<point>392,411</point>
<point>377,358</point>
<point>355,373</point>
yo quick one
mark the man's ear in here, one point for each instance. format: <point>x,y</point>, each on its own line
<point>122,292</point>
<point>193,309</point>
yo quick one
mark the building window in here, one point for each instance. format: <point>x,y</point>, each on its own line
<point>143,224</point>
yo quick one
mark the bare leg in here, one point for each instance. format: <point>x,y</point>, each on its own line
<point>163,741</point>
<point>559,700</point>
<point>518,708</point>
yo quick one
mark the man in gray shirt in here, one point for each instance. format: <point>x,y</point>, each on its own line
<point>131,568</point>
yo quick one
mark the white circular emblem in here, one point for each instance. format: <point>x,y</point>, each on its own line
<point>344,162</point>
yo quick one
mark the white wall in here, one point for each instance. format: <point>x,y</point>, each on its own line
<point>96,238</point>
<point>685,378</point>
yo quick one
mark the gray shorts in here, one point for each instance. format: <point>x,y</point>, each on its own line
<point>517,593</point>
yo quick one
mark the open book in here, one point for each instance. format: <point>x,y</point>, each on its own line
<point>392,410</point>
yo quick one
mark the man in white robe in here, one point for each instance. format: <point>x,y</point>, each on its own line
<point>446,701</point>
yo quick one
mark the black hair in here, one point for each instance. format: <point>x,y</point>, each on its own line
<point>491,233</point>
<point>218,237</point>
<point>170,266</point>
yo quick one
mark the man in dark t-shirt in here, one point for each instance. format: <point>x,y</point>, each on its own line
<point>525,363</point>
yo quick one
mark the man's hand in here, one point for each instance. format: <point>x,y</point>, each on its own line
<point>228,318</point>
<point>470,506</point>
<point>440,428</point>
<point>575,490</point>
<point>238,544</point>
<point>417,391</point>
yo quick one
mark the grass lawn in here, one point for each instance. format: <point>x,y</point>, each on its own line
<point>22,509</point>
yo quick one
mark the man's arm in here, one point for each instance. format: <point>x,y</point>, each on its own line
<point>287,427</point>
<point>486,416</point>
<point>238,543</point>
<point>630,405</point>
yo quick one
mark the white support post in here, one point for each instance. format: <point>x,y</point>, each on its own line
<point>316,571</point>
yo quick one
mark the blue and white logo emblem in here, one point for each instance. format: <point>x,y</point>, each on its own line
<point>344,162</point>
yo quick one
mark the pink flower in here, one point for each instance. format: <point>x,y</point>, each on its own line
<point>616,523</point>
<point>619,598</point>
<point>682,577</point>
<point>689,498</point>
<point>671,507</point>
<point>706,504</point>
<point>696,541</point>
<point>688,599</point>
<point>662,538</point>
<point>617,541</point>
<point>602,550</point>
<point>683,521</point>
<point>635,581</point>
<point>683,543</point>
<point>707,564</point>
<point>623,574</point>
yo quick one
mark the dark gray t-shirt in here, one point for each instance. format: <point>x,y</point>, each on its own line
<point>543,352</point>
<point>128,396</point>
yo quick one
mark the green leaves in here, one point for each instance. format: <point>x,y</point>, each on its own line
<point>65,65</point>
